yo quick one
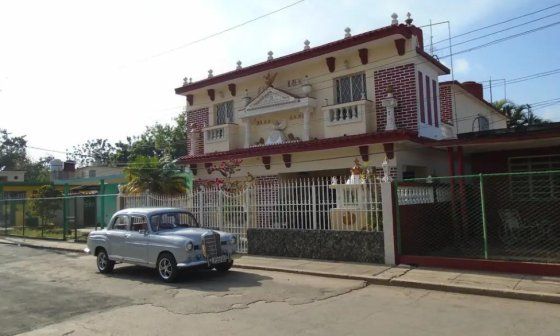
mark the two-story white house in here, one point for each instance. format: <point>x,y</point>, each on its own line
<point>373,96</point>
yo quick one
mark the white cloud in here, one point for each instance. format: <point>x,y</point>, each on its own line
<point>461,66</point>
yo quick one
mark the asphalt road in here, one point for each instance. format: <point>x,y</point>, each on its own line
<point>51,293</point>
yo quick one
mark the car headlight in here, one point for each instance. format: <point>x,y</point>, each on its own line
<point>189,246</point>
<point>233,240</point>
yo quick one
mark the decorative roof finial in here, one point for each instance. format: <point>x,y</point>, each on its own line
<point>395,20</point>
<point>306,45</point>
<point>270,53</point>
<point>408,20</point>
<point>185,81</point>
<point>238,65</point>
<point>210,73</point>
<point>347,32</point>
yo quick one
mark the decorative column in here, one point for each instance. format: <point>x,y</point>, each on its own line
<point>247,126</point>
<point>390,103</point>
<point>306,123</point>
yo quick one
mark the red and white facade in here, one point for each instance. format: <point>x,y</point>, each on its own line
<point>374,96</point>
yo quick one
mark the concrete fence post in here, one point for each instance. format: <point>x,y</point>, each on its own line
<point>387,204</point>
<point>388,222</point>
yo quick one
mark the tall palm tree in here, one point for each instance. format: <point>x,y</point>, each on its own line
<point>157,176</point>
<point>518,115</point>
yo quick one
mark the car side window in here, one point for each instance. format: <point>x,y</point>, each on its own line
<point>138,223</point>
<point>120,223</point>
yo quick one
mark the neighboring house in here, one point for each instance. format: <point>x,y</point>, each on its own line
<point>12,176</point>
<point>373,96</point>
<point>90,182</point>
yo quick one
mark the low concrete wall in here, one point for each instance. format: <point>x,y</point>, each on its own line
<point>316,244</point>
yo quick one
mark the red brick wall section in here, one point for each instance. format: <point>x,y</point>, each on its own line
<point>266,198</point>
<point>446,103</point>
<point>403,80</point>
<point>200,119</point>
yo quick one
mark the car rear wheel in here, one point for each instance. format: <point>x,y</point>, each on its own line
<point>224,267</point>
<point>167,267</point>
<point>104,264</point>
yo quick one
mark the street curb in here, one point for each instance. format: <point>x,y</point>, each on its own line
<point>516,295</point>
<point>306,272</point>
<point>63,249</point>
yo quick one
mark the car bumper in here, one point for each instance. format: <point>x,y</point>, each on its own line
<point>205,262</point>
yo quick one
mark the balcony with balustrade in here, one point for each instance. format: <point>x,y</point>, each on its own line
<point>220,138</point>
<point>357,117</point>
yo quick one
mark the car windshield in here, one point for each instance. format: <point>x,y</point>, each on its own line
<point>172,220</point>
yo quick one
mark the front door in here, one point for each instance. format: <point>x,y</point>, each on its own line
<point>136,240</point>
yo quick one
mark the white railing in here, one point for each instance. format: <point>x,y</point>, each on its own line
<point>347,112</point>
<point>422,194</point>
<point>215,134</point>
<point>307,204</point>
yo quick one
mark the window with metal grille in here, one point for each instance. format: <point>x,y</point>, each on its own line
<point>224,113</point>
<point>480,123</point>
<point>535,186</point>
<point>350,88</point>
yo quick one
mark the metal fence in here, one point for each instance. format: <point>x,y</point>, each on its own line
<point>71,217</point>
<point>513,217</point>
<point>310,204</point>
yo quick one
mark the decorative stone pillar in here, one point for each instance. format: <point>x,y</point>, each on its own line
<point>306,123</point>
<point>247,126</point>
<point>390,103</point>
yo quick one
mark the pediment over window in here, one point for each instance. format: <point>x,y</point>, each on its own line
<point>274,100</point>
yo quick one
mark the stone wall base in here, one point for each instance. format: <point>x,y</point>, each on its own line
<point>358,246</point>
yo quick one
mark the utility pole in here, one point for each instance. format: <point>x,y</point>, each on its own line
<point>491,99</point>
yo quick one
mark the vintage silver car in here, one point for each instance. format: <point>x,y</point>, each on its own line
<point>164,238</point>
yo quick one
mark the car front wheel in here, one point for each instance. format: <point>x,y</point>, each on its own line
<point>104,265</point>
<point>224,267</point>
<point>167,267</point>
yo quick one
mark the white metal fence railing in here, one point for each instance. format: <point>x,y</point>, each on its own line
<point>307,204</point>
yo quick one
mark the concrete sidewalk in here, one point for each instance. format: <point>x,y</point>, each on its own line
<point>515,286</point>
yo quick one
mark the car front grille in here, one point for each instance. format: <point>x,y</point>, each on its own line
<point>211,245</point>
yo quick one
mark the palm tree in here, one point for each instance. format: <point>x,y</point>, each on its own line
<point>157,176</point>
<point>518,115</point>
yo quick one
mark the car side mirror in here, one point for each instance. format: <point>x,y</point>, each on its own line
<point>144,232</point>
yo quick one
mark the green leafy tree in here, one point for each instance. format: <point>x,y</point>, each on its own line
<point>38,171</point>
<point>157,176</point>
<point>518,115</point>
<point>96,151</point>
<point>43,205</point>
<point>13,151</point>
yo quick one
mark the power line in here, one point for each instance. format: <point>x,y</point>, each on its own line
<point>499,23</point>
<point>225,30</point>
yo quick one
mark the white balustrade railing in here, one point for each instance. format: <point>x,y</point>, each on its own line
<point>215,134</point>
<point>347,112</point>
<point>422,194</point>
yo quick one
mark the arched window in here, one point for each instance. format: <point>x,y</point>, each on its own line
<point>480,123</point>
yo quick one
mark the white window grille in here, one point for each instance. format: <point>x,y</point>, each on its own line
<point>535,186</point>
<point>224,113</point>
<point>350,88</point>
<point>480,123</point>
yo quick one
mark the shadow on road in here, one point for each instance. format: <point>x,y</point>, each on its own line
<point>203,280</point>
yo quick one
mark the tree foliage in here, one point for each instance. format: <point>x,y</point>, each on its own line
<point>518,116</point>
<point>13,151</point>
<point>42,204</point>
<point>155,175</point>
<point>96,151</point>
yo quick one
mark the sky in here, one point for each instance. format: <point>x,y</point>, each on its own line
<point>77,70</point>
